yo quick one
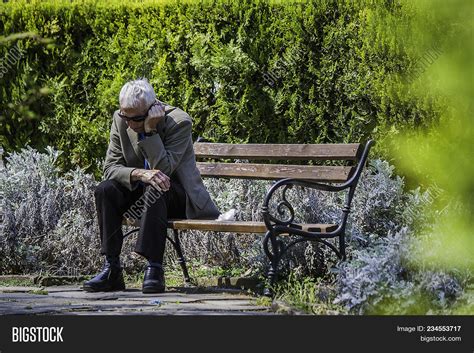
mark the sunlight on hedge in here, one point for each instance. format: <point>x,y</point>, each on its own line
<point>245,71</point>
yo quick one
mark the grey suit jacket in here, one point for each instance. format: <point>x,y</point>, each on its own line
<point>170,150</point>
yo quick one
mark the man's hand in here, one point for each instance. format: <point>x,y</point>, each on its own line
<point>155,115</point>
<point>153,177</point>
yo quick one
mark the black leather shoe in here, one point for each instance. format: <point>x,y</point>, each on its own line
<point>154,280</point>
<point>110,279</point>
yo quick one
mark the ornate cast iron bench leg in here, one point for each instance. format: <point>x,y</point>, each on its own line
<point>274,255</point>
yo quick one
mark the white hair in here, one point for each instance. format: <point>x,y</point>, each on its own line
<point>137,94</point>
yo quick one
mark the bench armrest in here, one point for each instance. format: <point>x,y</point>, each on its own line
<point>286,184</point>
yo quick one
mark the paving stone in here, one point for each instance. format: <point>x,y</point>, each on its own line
<point>20,289</point>
<point>72,300</point>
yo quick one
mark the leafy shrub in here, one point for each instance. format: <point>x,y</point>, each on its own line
<point>246,71</point>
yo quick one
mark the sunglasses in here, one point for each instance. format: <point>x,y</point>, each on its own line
<point>137,118</point>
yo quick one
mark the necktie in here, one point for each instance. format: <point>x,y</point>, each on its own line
<point>141,136</point>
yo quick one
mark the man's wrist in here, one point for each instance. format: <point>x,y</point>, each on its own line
<point>136,174</point>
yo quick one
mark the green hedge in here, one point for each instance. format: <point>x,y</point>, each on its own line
<point>246,71</point>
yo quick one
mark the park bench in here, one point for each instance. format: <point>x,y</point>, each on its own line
<point>212,161</point>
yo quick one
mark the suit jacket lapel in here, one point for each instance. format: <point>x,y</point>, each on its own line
<point>133,136</point>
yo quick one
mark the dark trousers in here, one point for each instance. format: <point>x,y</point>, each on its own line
<point>156,207</point>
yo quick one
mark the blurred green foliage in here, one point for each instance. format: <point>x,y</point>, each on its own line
<point>330,62</point>
<point>444,154</point>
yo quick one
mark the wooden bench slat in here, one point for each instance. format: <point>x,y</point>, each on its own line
<point>277,151</point>
<point>218,226</point>
<point>238,226</point>
<point>274,171</point>
<point>231,226</point>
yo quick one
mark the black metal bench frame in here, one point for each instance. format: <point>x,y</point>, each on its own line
<point>275,248</point>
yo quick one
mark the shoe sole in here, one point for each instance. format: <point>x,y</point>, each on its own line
<point>148,290</point>
<point>113,289</point>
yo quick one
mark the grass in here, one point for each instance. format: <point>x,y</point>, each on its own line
<point>312,296</point>
<point>17,281</point>
<point>263,301</point>
<point>39,292</point>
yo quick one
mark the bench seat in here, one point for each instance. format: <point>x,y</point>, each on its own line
<point>232,226</point>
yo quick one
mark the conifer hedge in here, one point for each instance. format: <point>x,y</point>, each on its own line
<point>246,71</point>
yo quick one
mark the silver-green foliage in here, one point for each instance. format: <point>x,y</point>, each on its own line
<point>50,225</point>
<point>49,220</point>
<point>386,273</point>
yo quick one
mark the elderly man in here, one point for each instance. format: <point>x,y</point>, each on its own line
<point>150,161</point>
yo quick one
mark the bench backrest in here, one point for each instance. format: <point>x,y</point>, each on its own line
<point>277,152</point>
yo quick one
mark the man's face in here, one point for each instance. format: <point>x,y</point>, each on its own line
<point>137,126</point>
